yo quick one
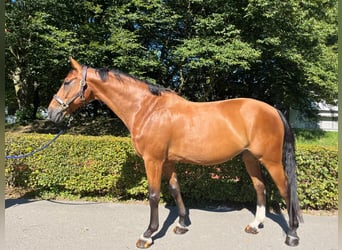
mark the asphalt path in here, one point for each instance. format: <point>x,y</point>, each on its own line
<point>42,224</point>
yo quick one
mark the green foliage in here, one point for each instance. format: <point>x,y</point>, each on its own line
<point>23,115</point>
<point>317,177</point>
<point>107,166</point>
<point>282,52</point>
<point>84,165</point>
<point>225,182</point>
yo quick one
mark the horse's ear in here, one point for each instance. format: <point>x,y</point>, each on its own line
<point>75,65</point>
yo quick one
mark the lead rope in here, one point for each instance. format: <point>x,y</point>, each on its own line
<point>44,146</point>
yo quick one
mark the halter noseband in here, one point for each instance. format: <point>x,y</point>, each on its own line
<point>80,94</point>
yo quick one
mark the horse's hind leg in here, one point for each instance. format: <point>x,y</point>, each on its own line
<point>279,178</point>
<point>254,170</point>
<point>170,173</point>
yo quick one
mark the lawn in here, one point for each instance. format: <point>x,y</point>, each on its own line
<point>316,137</point>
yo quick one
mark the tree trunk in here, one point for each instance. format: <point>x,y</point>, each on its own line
<point>16,78</point>
<point>26,94</point>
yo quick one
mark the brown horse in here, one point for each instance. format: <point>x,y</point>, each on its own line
<point>166,129</point>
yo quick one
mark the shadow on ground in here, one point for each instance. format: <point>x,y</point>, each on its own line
<point>172,217</point>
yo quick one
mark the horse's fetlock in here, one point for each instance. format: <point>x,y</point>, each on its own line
<point>154,228</point>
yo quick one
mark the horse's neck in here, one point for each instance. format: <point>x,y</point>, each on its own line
<point>123,98</point>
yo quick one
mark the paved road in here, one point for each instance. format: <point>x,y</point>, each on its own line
<point>32,224</point>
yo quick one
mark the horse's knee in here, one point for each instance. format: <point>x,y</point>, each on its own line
<point>154,197</point>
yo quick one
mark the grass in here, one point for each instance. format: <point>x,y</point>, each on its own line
<point>316,137</point>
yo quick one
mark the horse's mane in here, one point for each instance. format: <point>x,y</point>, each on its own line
<point>153,88</point>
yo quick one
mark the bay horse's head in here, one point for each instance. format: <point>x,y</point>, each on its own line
<point>73,93</point>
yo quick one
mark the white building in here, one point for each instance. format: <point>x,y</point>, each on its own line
<point>327,118</point>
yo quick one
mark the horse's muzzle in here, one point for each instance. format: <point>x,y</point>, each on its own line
<point>56,115</point>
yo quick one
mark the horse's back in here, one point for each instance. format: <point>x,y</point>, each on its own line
<point>214,132</point>
<point>205,132</point>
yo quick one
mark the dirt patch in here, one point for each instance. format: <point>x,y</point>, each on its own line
<point>16,193</point>
<point>95,126</point>
<point>38,126</point>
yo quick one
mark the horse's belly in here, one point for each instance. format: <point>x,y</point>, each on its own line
<point>205,153</point>
<point>207,141</point>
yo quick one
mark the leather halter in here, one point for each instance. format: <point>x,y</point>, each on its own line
<point>80,94</point>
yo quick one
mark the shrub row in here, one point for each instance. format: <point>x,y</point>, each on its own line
<point>108,166</point>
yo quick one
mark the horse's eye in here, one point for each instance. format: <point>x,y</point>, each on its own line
<point>66,83</point>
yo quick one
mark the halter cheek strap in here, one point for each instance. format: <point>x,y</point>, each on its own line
<point>83,83</point>
<point>80,94</point>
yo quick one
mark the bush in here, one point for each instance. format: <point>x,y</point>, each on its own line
<point>80,165</point>
<point>108,166</point>
<point>317,177</point>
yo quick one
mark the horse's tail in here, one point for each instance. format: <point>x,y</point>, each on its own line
<point>290,165</point>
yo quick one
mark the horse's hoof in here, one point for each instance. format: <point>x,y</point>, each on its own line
<point>291,240</point>
<point>179,229</point>
<point>251,230</point>
<point>144,242</point>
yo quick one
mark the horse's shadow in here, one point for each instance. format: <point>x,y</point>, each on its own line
<point>279,219</point>
<point>170,220</point>
<point>16,202</point>
<point>275,216</point>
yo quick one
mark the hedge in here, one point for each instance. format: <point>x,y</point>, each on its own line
<point>108,166</point>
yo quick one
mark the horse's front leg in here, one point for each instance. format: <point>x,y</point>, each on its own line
<point>154,173</point>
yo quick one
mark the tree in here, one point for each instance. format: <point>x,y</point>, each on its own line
<point>35,52</point>
<point>298,62</point>
<point>212,49</point>
<point>281,52</point>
